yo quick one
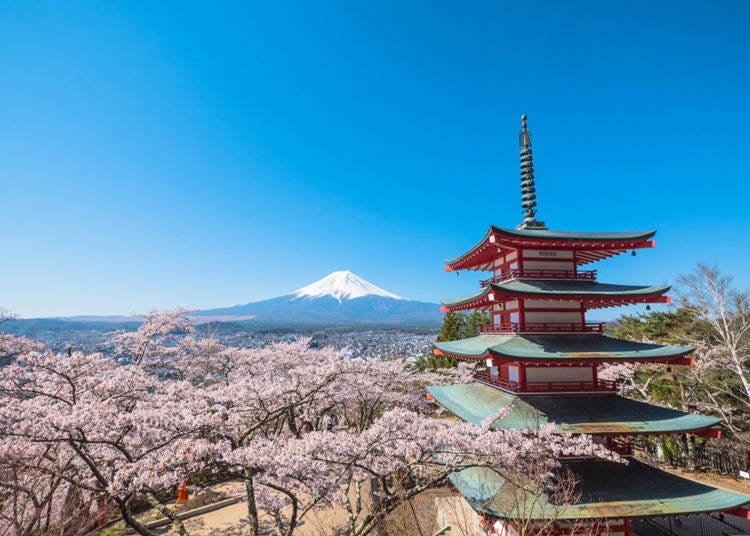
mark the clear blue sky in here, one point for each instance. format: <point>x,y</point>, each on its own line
<point>155,154</point>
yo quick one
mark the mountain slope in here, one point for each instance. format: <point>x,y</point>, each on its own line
<point>339,298</point>
<point>343,284</point>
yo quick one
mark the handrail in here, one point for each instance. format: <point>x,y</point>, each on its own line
<point>589,275</point>
<point>547,387</point>
<point>545,327</point>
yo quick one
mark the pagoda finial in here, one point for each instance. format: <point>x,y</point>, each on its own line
<point>528,188</point>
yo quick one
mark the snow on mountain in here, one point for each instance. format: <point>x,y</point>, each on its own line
<point>340,298</point>
<point>345,285</point>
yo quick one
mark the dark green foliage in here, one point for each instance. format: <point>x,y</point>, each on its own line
<point>459,325</point>
<point>453,325</point>
<point>669,327</point>
<point>474,321</point>
<point>660,383</point>
<point>456,326</point>
<point>434,362</point>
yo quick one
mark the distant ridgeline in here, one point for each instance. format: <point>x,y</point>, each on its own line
<point>340,300</point>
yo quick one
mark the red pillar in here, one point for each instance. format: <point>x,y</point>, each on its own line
<point>522,375</point>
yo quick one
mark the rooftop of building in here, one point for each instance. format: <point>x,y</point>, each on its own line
<point>560,348</point>
<point>558,288</point>
<point>578,414</point>
<point>608,490</point>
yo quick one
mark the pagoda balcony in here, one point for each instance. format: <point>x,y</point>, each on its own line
<point>543,327</point>
<point>598,386</point>
<point>584,275</point>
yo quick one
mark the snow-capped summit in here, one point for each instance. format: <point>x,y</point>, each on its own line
<point>339,299</point>
<point>345,285</point>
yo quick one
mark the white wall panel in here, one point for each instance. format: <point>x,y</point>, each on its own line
<point>559,374</point>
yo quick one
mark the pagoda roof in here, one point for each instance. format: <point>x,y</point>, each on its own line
<point>549,234</point>
<point>593,246</point>
<point>577,414</point>
<point>592,293</point>
<point>560,348</point>
<point>608,490</point>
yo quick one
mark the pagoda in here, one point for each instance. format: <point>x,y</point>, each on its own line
<point>540,359</point>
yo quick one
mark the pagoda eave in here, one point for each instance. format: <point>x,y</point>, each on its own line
<point>589,247</point>
<point>590,294</point>
<point>486,300</point>
<point>609,490</point>
<point>573,349</point>
<point>586,413</point>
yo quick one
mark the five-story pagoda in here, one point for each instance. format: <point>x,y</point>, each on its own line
<point>542,360</point>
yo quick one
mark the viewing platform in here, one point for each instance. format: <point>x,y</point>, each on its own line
<point>584,275</point>
<point>543,327</point>
<point>547,387</point>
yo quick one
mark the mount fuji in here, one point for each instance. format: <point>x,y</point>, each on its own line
<point>340,298</point>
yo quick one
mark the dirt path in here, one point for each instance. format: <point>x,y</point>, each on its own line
<point>718,481</point>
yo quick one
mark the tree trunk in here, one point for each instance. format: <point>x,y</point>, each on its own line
<point>130,521</point>
<point>166,512</point>
<point>377,506</point>
<point>689,451</point>
<point>252,508</point>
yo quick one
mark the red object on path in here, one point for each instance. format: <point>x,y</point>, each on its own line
<point>102,511</point>
<point>182,492</point>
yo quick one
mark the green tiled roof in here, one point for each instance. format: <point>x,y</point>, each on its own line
<point>585,414</point>
<point>561,287</point>
<point>573,235</point>
<point>555,347</point>
<point>608,490</point>
<point>574,287</point>
<point>548,234</point>
<point>471,297</point>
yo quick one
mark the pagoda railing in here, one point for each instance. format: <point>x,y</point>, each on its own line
<point>587,275</point>
<point>547,387</point>
<point>620,446</point>
<point>544,327</point>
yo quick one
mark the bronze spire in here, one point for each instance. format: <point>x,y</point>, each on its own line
<point>528,188</point>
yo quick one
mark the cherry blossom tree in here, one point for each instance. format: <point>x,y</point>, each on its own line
<point>12,346</point>
<point>158,339</point>
<point>723,366</point>
<point>39,493</point>
<point>402,454</point>
<point>118,421</point>
<point>301,427</point>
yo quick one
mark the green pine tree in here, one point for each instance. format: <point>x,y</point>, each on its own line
<point>453,326</point>
<point>473,322</point>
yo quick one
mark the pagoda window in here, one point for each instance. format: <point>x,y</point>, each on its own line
<point>541,263</point>
<point>542,312</point>
<point>553,305</point>
<point>511,305</point>
<point>559,316</point>
<point>559,374</point>
<point>547,254</point>
<point>514,373</point>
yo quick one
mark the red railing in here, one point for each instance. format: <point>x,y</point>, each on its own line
<point>589,275</point>
<point>545,327</point>
<point>619,446</point>
<point>546,387</point>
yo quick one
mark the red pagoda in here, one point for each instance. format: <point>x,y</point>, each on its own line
<point>541,360</point>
